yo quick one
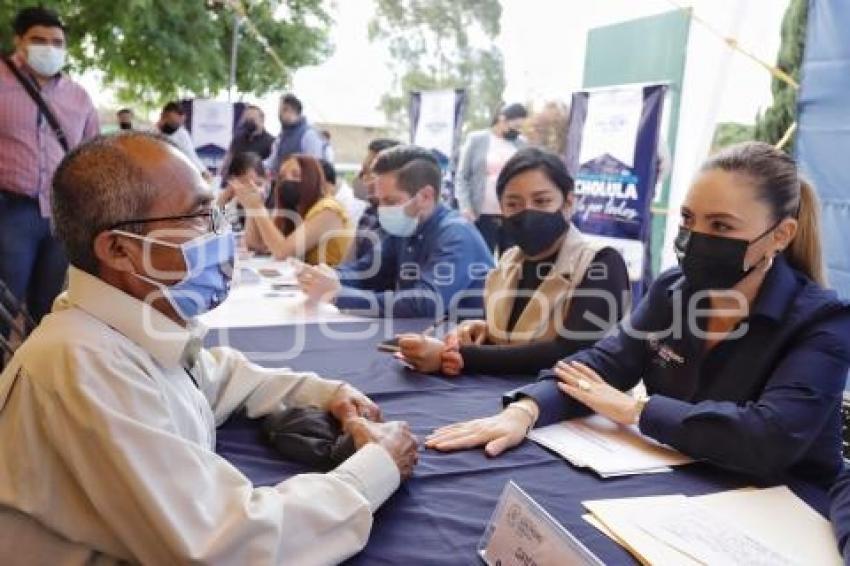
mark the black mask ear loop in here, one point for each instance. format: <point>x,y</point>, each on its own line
<point>766,258</point>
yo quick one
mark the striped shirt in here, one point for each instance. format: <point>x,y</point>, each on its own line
<point>29,149</point>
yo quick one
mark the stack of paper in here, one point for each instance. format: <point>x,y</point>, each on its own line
<point>747,527</point>
<point>280,272</point>
<point>606,447</point>
<point>267,294</point>
<point>255,306</point>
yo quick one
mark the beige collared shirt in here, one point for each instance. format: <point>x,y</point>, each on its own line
<point>106,448</point>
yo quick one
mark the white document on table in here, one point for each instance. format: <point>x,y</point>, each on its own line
<point>781,519</point>
<point>748,526</point>
<point>617,516</point>
<point>266,293</point>
<point>708,537</point>
<point>281,272</point>
<point>606,447</point>
<point>250,306</point>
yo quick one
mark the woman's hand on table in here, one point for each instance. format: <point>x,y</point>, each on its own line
<point>497,433</point>
<point>349,402</point>
<point>471,332</point>
<point>395,437</point>
<point>586,386</point>
<point>422,352</point>
<point>451,360</point>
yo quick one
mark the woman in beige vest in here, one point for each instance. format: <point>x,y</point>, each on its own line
<point>555,292</point>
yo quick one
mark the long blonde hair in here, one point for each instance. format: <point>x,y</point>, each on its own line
<point>779,184</point>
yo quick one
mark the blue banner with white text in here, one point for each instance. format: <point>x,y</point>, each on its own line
<point>612,153</point>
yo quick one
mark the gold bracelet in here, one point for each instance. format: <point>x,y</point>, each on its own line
<point>527,411</point>
<point>641,404</point>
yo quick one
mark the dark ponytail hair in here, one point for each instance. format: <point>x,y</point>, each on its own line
<point>775,176</point>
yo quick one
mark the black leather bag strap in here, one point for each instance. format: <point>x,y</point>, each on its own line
<point>40,102</point>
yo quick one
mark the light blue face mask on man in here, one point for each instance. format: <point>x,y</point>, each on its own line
<point>209,263</point>
<point>396,222</point>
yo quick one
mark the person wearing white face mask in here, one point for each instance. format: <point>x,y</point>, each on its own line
<point>113,402</point>
<point>434,261</point>
<point>43,114</point>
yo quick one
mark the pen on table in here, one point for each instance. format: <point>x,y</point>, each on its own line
<point>393,347</point>
<point>433,328</point>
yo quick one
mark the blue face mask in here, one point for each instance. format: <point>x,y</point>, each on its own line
<point>209,263</point>
<point>396,222</point>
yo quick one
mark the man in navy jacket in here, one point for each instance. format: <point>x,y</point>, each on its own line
<point>433,262</point>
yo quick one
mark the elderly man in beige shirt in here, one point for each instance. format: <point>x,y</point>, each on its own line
<point>108,411</point>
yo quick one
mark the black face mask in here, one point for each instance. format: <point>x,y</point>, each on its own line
<point>713,262</point>
<point>288,194</point>
<point>248,127</point>
<point>288,125</point>
<point>511,135</point>
<point>535,231</point>
<point>168,128</point>
<point>125,126</point>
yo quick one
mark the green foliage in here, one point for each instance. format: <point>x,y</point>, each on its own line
<point>547,128</point>
<point>431,43</point>
<point>730,133</point>
<point>772,125</point>
<point>154,50</point>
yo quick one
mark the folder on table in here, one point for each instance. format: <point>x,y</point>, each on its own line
<point>750,526</point>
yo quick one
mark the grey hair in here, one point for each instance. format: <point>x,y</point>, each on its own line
<point>96,186</point>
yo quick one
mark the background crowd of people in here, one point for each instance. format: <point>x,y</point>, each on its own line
<point>119,421</point>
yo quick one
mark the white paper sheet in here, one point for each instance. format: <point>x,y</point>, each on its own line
<point>254,307</point>
<point>269,270</point>
<point>618,518</point>
<point>780,519</point>
<point>707,537</point>
<point>745,526</point>
<point>265,293</point>
<point>606,447</point>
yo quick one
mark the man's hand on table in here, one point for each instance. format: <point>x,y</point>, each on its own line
<point>319,282</point>
<point>395,437</point>
<point>349,403</point>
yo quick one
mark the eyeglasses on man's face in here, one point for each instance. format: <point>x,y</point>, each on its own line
<point>213,220</point>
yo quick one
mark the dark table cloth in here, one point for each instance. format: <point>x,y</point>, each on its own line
<point>438,516</point>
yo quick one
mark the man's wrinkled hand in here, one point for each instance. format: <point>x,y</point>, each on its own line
<point>395,437</point>
<point>319,282</point>
<point>348,403</point>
